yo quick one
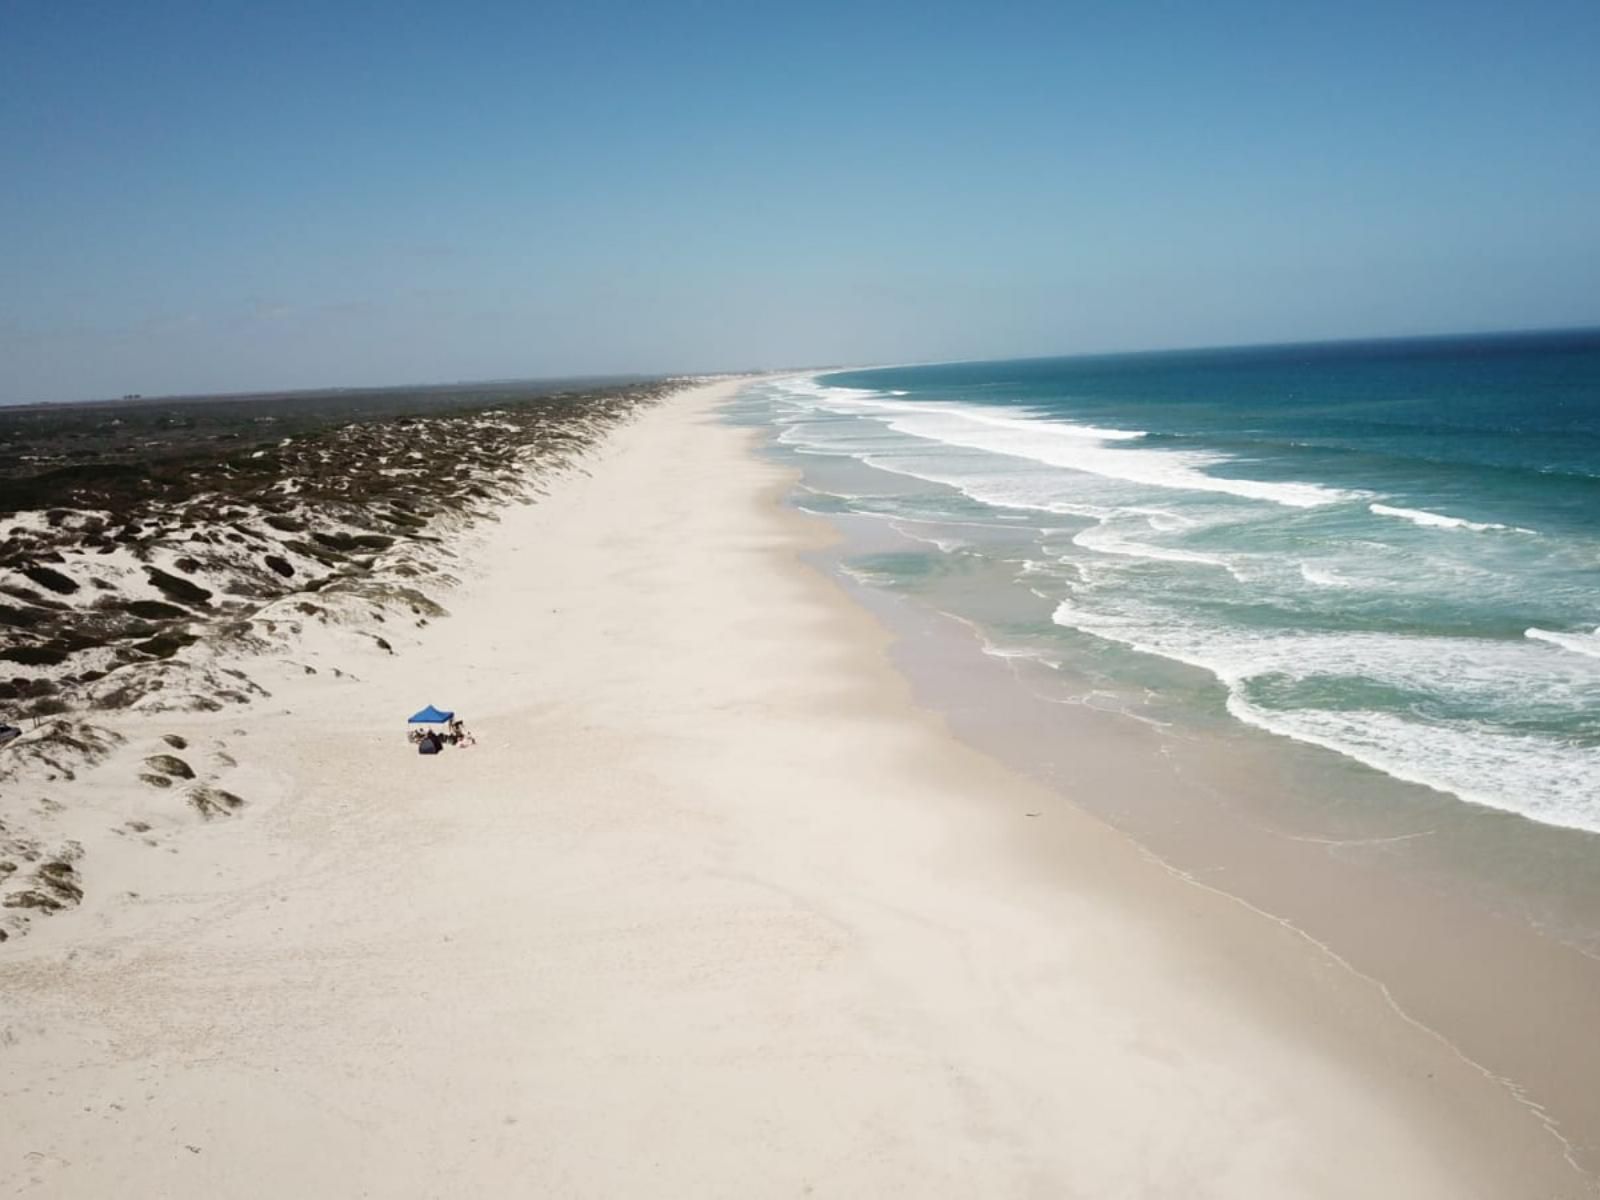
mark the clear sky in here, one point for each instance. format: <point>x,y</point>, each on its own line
<point>215,196</point>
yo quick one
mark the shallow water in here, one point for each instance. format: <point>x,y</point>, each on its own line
<point>1390,550</point>
<point>1475,922</point>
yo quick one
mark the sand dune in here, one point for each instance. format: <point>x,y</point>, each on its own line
<point>173,545</point>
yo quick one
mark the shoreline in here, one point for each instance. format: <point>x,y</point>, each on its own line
<point>713,907</point>
<point>1435,901</point>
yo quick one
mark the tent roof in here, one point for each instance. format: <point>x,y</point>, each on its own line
<point>430,716</point>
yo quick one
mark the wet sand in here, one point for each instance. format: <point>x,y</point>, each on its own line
<point>1481,926</point>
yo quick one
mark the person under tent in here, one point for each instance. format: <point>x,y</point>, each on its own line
<point>432,740</point>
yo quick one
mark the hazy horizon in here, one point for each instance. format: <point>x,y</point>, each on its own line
<point>209,201</point>
<point>784,368</point>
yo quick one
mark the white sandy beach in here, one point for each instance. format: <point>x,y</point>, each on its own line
<point>711,909</point>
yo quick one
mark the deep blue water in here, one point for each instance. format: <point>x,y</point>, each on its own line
<point>1391,549</point>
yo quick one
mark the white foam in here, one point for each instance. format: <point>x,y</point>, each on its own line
<point>866,577</point>
<point>1106,540</point>
<point>1489,673</point>
<point>1433,520</point>
<point>1421,708</point>
<point>1476,763</point>
<point>943,545</point>
<point>1579,643</point>
<point>1324,578</point>
<point>1066,445</point>
<point>993,650</point>
<point>995,491</point>
<point>1546,778</point>
<point>1163,521</point>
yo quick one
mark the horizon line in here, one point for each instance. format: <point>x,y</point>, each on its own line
<point>650,376</point>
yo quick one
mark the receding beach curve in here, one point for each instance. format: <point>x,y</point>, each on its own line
<point>717,904</point>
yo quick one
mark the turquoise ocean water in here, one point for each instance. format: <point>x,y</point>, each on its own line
<point>1389,549</point>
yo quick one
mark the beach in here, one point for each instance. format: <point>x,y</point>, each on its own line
<point>716,905</point>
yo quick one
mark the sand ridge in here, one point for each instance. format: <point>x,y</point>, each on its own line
<point>174,544</point>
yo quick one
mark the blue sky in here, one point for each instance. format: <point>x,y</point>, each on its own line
<point>212,196</point>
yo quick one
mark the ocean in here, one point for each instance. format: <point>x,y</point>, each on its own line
<point>1387,549</point>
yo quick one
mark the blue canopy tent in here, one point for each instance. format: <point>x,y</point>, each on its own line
<point>430,716</point>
